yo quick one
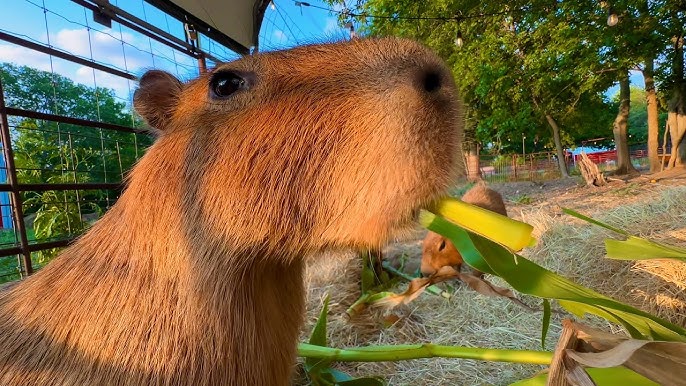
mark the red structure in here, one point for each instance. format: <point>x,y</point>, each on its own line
<point>600,156</point>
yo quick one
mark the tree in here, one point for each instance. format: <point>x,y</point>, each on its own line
<point>48,152</point>
<point>620,129</point>
<point>676,119</point>
<point>524,70</point>
<point>34,90</point>
<point>528,65</point>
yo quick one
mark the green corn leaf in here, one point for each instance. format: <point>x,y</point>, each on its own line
<point>319,370</point>
<point>633,248</point>
<point>368,279</point>
<point>546,321</point>
<point>602,377</point>
<point>532,279</point>
<point>318,336</point>
<point>315,367</point>
<point>366,381</point>
<point>593,221</point>
<point>636,248</point>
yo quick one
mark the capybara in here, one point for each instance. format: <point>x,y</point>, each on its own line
<point>437,251</point>
<point>194,277</point>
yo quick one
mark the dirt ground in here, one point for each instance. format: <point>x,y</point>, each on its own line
<point>651,206</point>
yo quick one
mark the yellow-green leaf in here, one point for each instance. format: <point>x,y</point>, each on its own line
<point>636,248</point>
<point>513,234</point>
<point>530,278</point>
<point>602,377</point>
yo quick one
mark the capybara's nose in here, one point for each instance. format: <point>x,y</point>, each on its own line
<point>430,77</point>
<point>430,80</point>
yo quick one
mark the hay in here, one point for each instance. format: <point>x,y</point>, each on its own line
<point>566,246</point>
<point>575,249</point>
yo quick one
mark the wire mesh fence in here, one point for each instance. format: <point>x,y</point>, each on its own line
<point>518,167</point>
<point>543,166</point>
<point>69,133</point>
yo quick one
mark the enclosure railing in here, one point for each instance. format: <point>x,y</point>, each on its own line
<point>518,167</point>
<point>63,167</point>
<point>542,166</point>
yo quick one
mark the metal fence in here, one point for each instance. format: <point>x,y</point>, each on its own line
<point>518,167</point>
<point>543,166</point>
<point>63,166</point>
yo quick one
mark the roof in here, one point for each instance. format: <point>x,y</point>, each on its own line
<point>233,23</point>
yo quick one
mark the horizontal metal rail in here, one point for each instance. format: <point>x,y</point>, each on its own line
<point>35,247</point>
<point>64,186</point>
<point>141,26</point>
<point>64,55</point>
<point>71,121</point>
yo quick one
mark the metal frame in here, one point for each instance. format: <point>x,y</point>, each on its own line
<point>64,55</point>
<point>104,12</point>
<point>207,30</point>
<point>14,185</point>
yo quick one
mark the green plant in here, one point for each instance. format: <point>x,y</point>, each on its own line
<point>529,278</point>
<point>523,199</point>
<point>58,215</point>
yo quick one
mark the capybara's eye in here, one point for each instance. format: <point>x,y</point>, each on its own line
<point>442,246</point>
<point>223,84</point>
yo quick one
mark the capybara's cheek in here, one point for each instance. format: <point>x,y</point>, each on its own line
<point>452,256</point>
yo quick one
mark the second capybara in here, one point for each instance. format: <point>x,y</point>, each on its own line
<point>437,251</point>
<point>195,276</point>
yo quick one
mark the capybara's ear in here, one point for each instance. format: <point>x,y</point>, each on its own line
<point>156,98</point>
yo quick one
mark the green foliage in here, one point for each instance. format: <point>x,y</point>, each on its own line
<point>638,116</point>
<point>514,68</point>
<point>42,149</point>
<point>528,58</point>
<point>459,191</point>
<point>59,215</point>
<point>48,152</point>
<point>523,199</point>
<point>318,369</point>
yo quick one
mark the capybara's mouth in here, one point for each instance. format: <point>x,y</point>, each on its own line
<point>430,205</point>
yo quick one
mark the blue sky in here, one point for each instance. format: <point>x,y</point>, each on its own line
<point>69,27</point>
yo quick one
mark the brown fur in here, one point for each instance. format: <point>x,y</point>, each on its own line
<point>438,252</point>
<point>194,277</point>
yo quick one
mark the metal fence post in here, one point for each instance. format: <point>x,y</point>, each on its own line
<point>7,152</point>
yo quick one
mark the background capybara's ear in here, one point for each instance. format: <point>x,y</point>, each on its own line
<point>156,98</point>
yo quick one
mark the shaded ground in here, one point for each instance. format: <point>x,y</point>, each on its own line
<point>650,206</point>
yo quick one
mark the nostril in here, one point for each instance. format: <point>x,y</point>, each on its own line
<point>431,81</point>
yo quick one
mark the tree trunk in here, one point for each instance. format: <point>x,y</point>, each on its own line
<point>676,119</point>
<point>561,161</point>
<point>653,124</point>
<point>620,129</point>
<point>471,150</point>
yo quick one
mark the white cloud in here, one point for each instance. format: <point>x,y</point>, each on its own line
<point>331,26</point>
<point>122,87</point>
<point>107,48</point>
<point>280,36</point>
<point>24,57</point>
